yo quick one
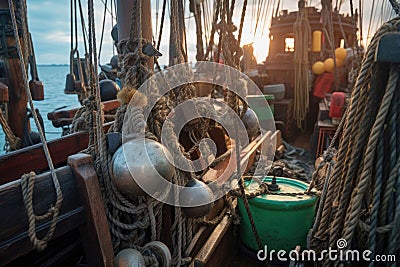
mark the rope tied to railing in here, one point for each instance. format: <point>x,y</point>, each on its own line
<point>361,194</point>
<point>28,180</point>
<point>13,142</point>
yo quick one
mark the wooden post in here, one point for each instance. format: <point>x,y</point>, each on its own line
<point>196,9</point>
<point>17,94</point>
<point>124,16</point>
<point>95,232</point>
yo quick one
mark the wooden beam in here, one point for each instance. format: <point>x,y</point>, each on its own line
<point>211,253</point>
<point>70,113</point>
<point>14,239</point>
<point>17,163</point>
<point>32,158</point>
<point>95,232</point>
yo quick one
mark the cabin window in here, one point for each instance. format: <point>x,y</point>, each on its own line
<point>289,44</point>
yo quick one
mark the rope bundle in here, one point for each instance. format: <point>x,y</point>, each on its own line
<point>28,180</point>
<point>13,142</point>
<point>362,193</point>
<point>302,33</point>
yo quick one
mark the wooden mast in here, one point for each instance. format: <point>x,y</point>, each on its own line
<point>179,35</point>
<point>124,15</point>
<point>196,9</point>
<point>17,94</point>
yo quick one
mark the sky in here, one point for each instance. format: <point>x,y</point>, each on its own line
<point>49,24</point>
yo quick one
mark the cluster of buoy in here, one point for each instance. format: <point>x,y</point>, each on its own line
<point>328,65</point>
<point>138,165</point>
<point>133,258</point>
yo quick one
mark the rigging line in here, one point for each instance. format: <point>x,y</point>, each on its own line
<point>84,31</point>
<point>360,6</point>
<point>76,26</point>
<point>108,10</point>
<point>267,16</point>
<point>213,28</point>
<point>242,21</point>
<point>205,16</point>
<point>102,30</point>
<point>252,14</point>
<point>370,21</point>
<point>395,6</point>
<point>261,2</point>
<point>112,22</point>
<point>264,19</point>
<point>55,209</point>
<point>162,24</point>
<point>277,8</point>
<point>72,24</point>
<point>157,9</point>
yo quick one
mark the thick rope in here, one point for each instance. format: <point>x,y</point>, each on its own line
<point>39,244</point>
<point>364,161</point>
<point>302,33</point>
<point>13,142</point>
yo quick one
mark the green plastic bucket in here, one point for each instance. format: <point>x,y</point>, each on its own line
<point>265,115</point>
<point>281,221</point>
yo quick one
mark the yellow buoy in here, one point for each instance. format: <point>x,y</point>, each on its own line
<point>316,41</point>
<point>339,62</point>
<point>329,65</point>
<point>318,67</point>
<point>340,53</point>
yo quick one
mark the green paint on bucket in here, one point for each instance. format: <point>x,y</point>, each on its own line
<point>282,221</point>
<point>258,103</point>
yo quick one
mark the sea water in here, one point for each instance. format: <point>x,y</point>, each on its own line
<point>53,78</point>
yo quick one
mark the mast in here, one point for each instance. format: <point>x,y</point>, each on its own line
<point>17,95</point>
<point>178,37</point>
<point>195,8</point>
<point>124,16</point>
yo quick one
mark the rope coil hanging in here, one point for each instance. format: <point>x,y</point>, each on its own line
<point>302,33</point>
<point>362,193</point>
<point>28,180</point>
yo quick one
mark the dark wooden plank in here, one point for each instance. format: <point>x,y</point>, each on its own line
<point>21,245</point>
<point>32,158</point>
<point>70,113</point>
<point>14,240</point>
<point>225,250</point>
<point>95,232</point>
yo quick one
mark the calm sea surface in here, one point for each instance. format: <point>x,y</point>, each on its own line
<point>53,78</point>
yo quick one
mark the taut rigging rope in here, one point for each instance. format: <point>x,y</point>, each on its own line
<point>28,180</point>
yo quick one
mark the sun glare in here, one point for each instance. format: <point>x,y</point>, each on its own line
<point>260,45</point>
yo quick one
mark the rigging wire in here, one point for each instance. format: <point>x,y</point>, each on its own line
<point>102,30</point>
<point>260,6</point>
<point>157,9</point>
<point>108,10</point>
<point>112,20</point>
<point>84,31</point>
<point>162,24</point>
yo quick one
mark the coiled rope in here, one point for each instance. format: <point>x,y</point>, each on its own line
<point>368,157</point>
<point>13,142</point>
<point>28,180</point>
<point>302,33</point>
